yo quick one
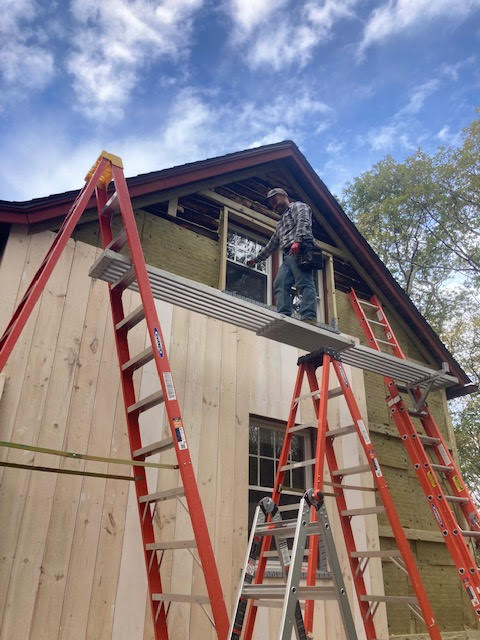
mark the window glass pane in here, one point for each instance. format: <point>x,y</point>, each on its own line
<point>252,470</point>
<point>240,247</point>
<point>297,448</point>
<point>298,478</point>
<point>246,282</point>
<point>253,439</point>
<point>279,436</point>
<point>266,442</point>
<point>266,472</point>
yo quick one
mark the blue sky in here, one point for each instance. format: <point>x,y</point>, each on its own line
<point>165,82</point>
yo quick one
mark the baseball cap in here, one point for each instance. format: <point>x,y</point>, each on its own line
<point>274,192</point>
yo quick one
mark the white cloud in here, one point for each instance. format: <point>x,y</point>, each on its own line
<point>279,33</point>
<point>115,39</point>
<point>25,62</point>
<point>448,137</point>
<point>418,96</point>
<point>396,16</point>
<point>451,71</point>
<point>388,137</point>
<point>196,127</point>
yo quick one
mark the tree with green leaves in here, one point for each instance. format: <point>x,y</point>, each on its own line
<point>422,217</point>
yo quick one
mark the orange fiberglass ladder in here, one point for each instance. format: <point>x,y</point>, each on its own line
<point>109,167</point>
<point>326,358</point>
<point>417,444</point>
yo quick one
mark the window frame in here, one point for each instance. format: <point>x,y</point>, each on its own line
<point>275,570</point>
<point>256,237</point>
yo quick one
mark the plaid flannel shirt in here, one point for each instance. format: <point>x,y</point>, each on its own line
<point>295,225</point>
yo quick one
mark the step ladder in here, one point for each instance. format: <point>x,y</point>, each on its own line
<point>419,444</point>
<point>402,557</point>
<point>289,594</point>
<point>109,167</point>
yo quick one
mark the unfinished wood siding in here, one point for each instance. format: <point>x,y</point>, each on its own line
<point>71,563</point>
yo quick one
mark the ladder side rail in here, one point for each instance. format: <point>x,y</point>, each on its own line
<point>350,544</point>
<point>342,596</point>
<point>283,459</point>
<point>192,494</point>
<point>291,613</point>
<point>455,479</point>
<point>397,350</point>
<point>159,615</point>
<point>443,515</point>
<point>388,504</point>
<point>320,408</point>
<point>37,284</point>
<point>247,576</point>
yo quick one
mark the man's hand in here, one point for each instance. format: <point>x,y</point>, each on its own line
<point>295,248</point>
<point>251,262</point>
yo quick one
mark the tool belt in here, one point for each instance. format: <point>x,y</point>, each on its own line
<point>308,256</point>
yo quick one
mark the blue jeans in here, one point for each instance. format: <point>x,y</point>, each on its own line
<point>288,275</point>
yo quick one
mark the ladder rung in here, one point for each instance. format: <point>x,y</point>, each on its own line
<point>442,467</point>
<point>343,431</point>
<point>456,499</point>
<point>139,360</point>
<point>382,324</point>
<point>125,281</point>
<point>301,427</point>
<point>385,342</point>
<point>277,591</point>
<point>364,511</point>
<point>180,597</point>
<point>349,471</point>
<point>417,414</point>
<point>133,318</point>
<point>333,393</point>
<point>298,465</point>
<point>162,495</point>
<point>399,599</point>
<point>470,534</point>
<point>118,242</point>
<point>380,553</point>
<point>367,304</point>
<point>155,447</point>
<point>286,529</point>
<point>176,544</point>
<point>428,440</point>
<point>147,403</point>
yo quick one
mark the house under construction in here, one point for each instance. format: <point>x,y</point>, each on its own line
<point>182,366</point>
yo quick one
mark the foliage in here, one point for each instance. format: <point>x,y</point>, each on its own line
<point>422,217</point>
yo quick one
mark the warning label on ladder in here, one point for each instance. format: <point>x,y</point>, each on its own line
<point>170,389</point>
<point>180,433</point>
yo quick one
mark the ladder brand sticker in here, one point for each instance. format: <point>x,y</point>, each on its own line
<point>170,389</point>
<point>179,433</point>
<point>437,515</point>
<point>376,467</point>
<point>431,479</point>
<point>344,376</point>
<point>443,452</point>
<point>471,594</point>
<point>457,483</point>
<point>363,431</point>
<point>158,342</point>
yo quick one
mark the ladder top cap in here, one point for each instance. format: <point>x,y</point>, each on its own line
<point>106,176</point>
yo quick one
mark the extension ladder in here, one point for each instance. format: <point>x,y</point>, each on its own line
<point>110,167</point>
<point>290,592</point>
<point>417,444</point>
<point>358,558</point>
